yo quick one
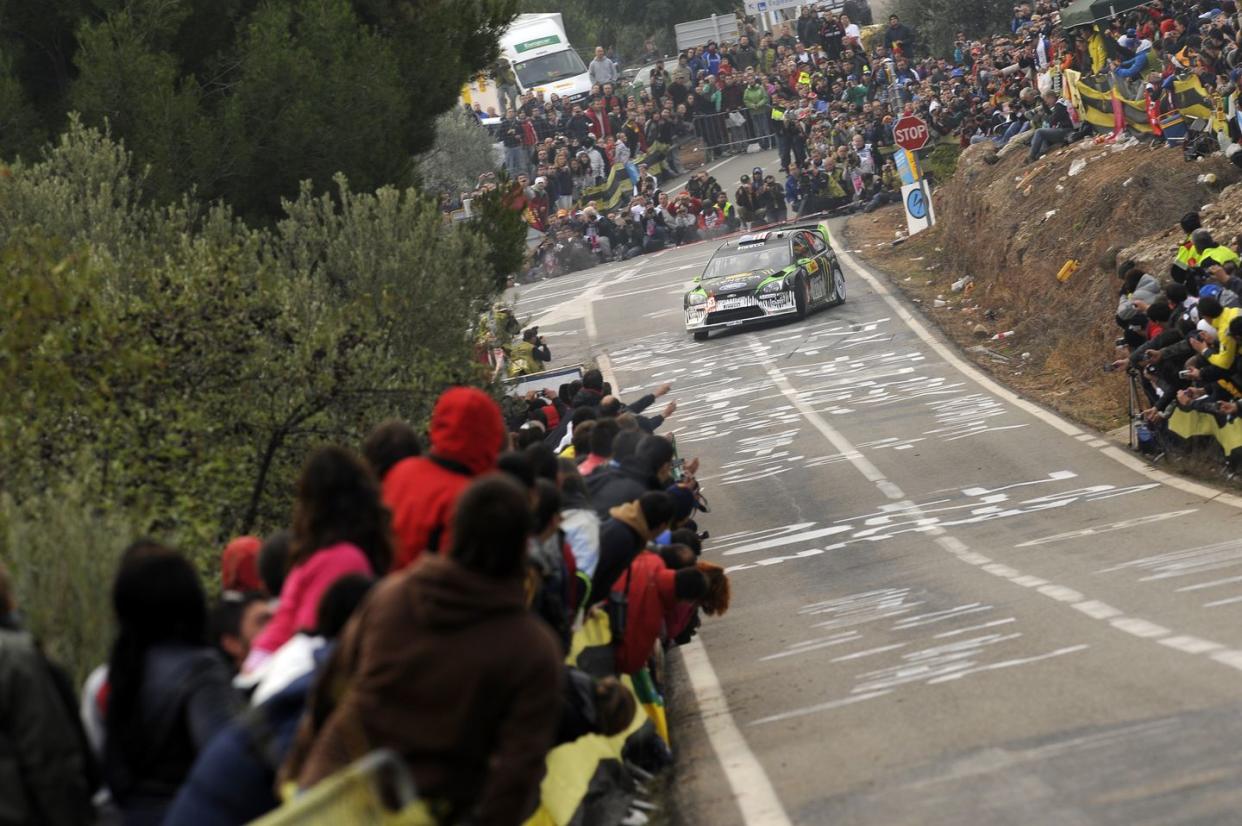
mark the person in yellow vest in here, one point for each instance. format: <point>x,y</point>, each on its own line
<point>1211,311</point>
<point>529,355</point>
<point>1186,251</point>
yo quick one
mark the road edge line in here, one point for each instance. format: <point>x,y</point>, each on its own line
<point>753,792</point>
<point>947,352</point>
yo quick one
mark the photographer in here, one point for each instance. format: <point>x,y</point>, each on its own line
<point>529,355</point>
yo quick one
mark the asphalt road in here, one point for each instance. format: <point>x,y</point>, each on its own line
<point>950,606</point>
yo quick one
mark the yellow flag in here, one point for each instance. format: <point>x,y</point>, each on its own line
<point>804,79</point>
<point>777,114</point>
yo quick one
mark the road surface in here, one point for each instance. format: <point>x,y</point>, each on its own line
<point>950,606</point>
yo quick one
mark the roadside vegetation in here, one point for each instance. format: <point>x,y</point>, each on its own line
<point>218,253</point>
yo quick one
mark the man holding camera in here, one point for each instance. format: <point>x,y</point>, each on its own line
<point>529,355</point>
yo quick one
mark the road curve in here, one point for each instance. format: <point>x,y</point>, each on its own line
<point>950,606</point>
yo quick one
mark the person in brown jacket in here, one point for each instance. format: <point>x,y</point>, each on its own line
<point>445,665</point>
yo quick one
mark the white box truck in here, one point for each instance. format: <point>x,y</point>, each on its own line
<point>542,59</point>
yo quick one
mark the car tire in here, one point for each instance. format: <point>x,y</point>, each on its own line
<point>838,285</point>
<point>700,335</point>
<point>802,296</point>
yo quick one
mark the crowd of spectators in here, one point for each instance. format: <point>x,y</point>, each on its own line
<point>825,94</point>
<point>422,600</point>
<point>1180,331</point>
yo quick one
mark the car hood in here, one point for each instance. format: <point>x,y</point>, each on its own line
<point>736,283</point>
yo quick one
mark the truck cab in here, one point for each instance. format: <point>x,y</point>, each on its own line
<point>542,58</point>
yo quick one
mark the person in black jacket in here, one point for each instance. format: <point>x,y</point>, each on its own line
<point>1057,131</point>
<point>45,765</point>
<point>612,406</point>
<point>647,470</point>
<point>624,534</point>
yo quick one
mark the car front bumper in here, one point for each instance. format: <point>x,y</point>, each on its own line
<point>728,313</point>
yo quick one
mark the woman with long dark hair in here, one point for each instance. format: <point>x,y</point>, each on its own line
<point>168,691</point>
<point>340,527</point>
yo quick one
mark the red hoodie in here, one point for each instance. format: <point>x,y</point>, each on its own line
<point>466,435</point>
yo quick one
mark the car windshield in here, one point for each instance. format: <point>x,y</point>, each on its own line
<point>733,262</point>
<point>549,68</point>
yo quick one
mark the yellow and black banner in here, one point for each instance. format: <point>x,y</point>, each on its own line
<point>621,179</point>
<point>1096,96</point>
<point>1190,424</point>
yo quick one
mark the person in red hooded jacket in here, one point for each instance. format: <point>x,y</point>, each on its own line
<point>467,433</point>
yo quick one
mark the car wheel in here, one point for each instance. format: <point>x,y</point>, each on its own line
<point>802,296</point>
<point>700,335</point>
<point>838,284</point>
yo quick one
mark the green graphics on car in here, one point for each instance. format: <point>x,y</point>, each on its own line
<point>786,272</point>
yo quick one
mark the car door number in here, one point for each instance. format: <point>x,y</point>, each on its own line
<point>819,289</point>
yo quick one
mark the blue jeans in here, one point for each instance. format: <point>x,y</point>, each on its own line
<point>1016,128</point>
<point>515,160</point>
<point>1046,138</point>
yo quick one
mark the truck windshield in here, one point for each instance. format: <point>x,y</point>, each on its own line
<point>736,262</point>
<point>549,68</point>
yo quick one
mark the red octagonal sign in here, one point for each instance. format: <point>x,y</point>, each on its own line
<point>911,133</point>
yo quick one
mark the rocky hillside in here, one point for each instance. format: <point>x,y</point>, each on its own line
<point>1007,228</point>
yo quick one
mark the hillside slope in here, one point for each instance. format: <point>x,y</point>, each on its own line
<point>1011,227</point>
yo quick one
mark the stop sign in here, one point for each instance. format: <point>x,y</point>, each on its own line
<point>911,133</point>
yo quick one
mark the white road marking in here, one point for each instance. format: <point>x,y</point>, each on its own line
<point>1097,610</point>
<point>815,709</point>
<point>1191,645</point>
<point>788,540</point>
<point>1123,525</point>
<point>1049,418</point>
<point>752,790</point>
<point>980,627</point>
<point>858,655</point>
<point>1007,664</point>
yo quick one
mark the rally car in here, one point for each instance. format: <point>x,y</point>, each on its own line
<point>786,272</point>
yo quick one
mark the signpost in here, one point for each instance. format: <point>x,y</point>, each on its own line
<point>911,133</point>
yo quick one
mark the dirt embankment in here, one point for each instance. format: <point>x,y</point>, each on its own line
<point>1010,227</point>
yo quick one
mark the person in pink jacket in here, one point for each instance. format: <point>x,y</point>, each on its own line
<point>340,527</point>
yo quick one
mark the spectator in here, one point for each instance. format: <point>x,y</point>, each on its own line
<point>340,527</point>
<point>647,470</point>
<point>274,562</point>
<point>446,667</point>
<point>466,436</point>
<point>168,693</point>
<point>235,622</point>
<point>602,437</point>
<point>45,765</point>
<point>1057,131</point>
<point>388,444</point>
<point>899,38</point>
<point>233,780</point>
<point>602,70</point>
<point>624,534</point>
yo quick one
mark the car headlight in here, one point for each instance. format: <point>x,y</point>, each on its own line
<point>696,298</point>
<point>772,287</point>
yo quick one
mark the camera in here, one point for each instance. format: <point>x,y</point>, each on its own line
<point>1184,375</point>
<point>678,471</point>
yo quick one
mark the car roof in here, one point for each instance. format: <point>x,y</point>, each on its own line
<point>759,240</point>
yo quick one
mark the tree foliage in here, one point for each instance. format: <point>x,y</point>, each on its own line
<point>170,366</point>
<point>626,24</point>
<point>937,22</point>
<point>462,151</point>
<point>240,99</point>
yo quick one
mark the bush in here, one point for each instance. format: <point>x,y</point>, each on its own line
<point>184,363</point>
<point>62,551</point>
